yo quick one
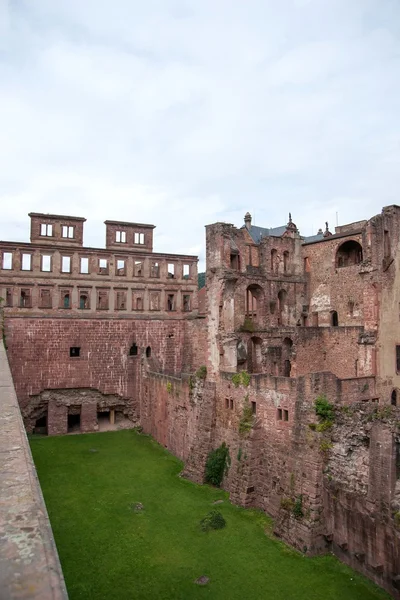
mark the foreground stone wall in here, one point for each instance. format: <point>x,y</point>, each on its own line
<point>29,564</point>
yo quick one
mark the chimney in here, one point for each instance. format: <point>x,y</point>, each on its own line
<point>247,221</point>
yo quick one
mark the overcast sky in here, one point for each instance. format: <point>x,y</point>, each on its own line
<point>184,113</point>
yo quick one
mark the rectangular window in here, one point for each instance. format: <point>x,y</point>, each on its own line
<point>254,408</point>
<point>286,415</point>
<point>7,260</point>
<point>231,403</point>
<point>187,305</point>
<point>120,301</point>
<point>154,301</point>
<point>120,267</point>
<point>137,301</point>
<point>155,269</point>
<point>46,263</point>
<point>139,238</point>
<point>65,264</point>
<point>65,299</point>
<point>84,300</point>
<point>137,272</point>
<point>171,271</point>
<point>397,359</point>
<point>84,265</point>
<point>9,301</point>
<point>67,231</point>
<point>279,414</point>
<point>26,262</point>
<point>186,271</point>
<point>46,230</point>
<point>171,302</point>
<point>25,300</point>
<point>74,352</point>
<point>226,402</point>
<point>103,266</point>
<point>120,237</point>
<point>102,300</point>
<point>45,299</point>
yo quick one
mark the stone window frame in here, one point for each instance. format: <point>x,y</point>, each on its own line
<point>30,254</point>
<point>84,292</point>
<point>42,256</point>
<point>69,256</point>
<point>155,269</point>
<point>174,295</point>
<point>63,292</point>
<point>80,265</point>
<point>137,295</point>
<point>120,271</point>
<point>187,295</point>
<point>48,230</point>
<point>105,293</point>
<point>187,275</point>
<point>117,294</point>
<point>23,290</point>
<point>50,296</point>
<point>68,229</point>
<point>103,270</point>
<point>138,238</point>
<point>120,236</point>
<point>3,261</point>
<point>153,293</point>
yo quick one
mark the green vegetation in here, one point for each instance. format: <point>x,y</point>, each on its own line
<point>324,409</point>
<point>242,378</point>
<point>397,519</point>
<point>218,462</point>
<point>169,387</point>
<point>201,372</point>
<point>247,420</point>
<point>298,507</point>
<point>214,520</point>
<point>248,325</point>
<point>127,526</point>
<point>201,280</point>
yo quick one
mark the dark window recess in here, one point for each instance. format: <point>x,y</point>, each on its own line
<point>250,489</point>
<point>286,415</point>
<point>279,414</point>
<point>74,351</point>
<point>83,301</point>
<point>398,359</point>
<point>170,302</point>
<point>335,319</point>
<point>133,351</point>
<point>231,404</point>
<point>398,460</point>
<point>393,398</point>
<point>148,351</point>
<point>226,402</point>
<point>254,407</point>
<point>8,297</point>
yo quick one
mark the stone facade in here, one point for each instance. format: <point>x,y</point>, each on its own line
<point>302,318</point>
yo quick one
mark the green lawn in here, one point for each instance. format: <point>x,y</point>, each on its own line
<point>108,551</point>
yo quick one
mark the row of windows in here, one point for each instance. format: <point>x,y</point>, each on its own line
<point>281,413</point>
<point>67,231</point>
<point>120,237</point>
<point>47,296</point>
<point>103,265</point>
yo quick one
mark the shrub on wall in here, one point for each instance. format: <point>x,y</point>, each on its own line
<point>217,464</point>
<point>201,372</point>
<point>324,409</point>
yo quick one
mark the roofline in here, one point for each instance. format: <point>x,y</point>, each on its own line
<point>335,236</point>
<point>130,224</point>
<point>48,216</point>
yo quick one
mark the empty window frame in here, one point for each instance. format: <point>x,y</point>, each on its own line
<point>7,260</point>
<point>46,230</point>
<point>279,414</point>
<point>138,268</point>
<point>45,263</point>
<point>155,269</point>
<point>67,231</point>
<point>171,302</point>
<point>103,266</point>
<point>84,264</point>
<point>120,300</point>
<point>187,303</point>
<point>65,299</point>
<point>137,301</point>
<point>254,407</point>
<point>26,262</point>
<point>186,271</point>
<point>65,264</point>
<point>9,297</point>
<point>120,237</point>
<point>25,298</point>
<point>286,415</point>
<point>154,301</point>
<point>45,298</point>
<point>74,352</point>
<point>398,359</point>
<point>84,300</point>
<point>133,350</point>
<point>120,267</point>
<point>139,238</point>
<point>171,271</point>
<point>102,300</point>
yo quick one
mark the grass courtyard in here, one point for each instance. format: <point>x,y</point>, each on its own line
<point>109,550</point>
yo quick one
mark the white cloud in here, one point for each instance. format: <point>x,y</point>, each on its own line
<point>183,113</point>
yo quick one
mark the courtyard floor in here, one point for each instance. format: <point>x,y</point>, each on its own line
<point>111,548</point>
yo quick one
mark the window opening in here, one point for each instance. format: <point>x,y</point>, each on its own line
<point>285,262</point>
<point>133,350</point>
<point>148,351</point>
<point>41,425</point>
<point>102,300</point>
<point>74,351</point>
<point>67,231</point>
<point>186,303</point>
<point>393,398</point>
<point>274,261</point>
<point>139,303</point>
<point>8,297</point>
<point>7,260</point>
<point>139,238</point>
<point>253,407</point>
<point>138,268</point>
<point>348,254</point>
<point>84,264</point>
<point>171,271</point>
<point>46,229</point>
<point>226,402</point>
<point>103,266</point>
<point>186,271</point>
<point>231,403</point>
<point>25,298</point>
<point>66,300</point>
<point>307,267</point>
<point>26,262</point>
<point>281,307</point>
<point>155,270</point>
<point>253,300</point>
<point>287,368</point>
<point>286,415</point>
<point>170,302</point>
<point>45,299</point>
<point>279,414</point>
<point>235,261</point>
<point>74,419</point>
<point>65,264</point>
<point>46,263</point>
<point>120,236</point>
<point>120,267</point>
<point>121,300</point>
<point>334,319</point>
<point>84,300</point>
<point>155,301</point>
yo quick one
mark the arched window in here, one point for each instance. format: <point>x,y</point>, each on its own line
<point>349,253</point>
<point>334,319</point>
<point>133,350</point>
<point>393,398</point>
<point>84,301</point>
<point>287,368</point>
<point>274,261</point>
<point>285,262</point>
<point>254,295</point>
<point>148,351</point>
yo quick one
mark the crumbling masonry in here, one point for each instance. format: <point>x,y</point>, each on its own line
<point>117,334</point>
